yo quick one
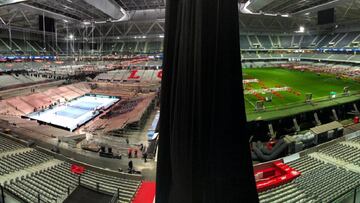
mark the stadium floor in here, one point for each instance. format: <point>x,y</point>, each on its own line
<point>74,113</point>
<point>288,89</point>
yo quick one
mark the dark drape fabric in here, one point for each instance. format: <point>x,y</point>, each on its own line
<point>203,152</point>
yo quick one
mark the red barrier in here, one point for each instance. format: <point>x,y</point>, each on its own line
<point>77,169</point>
<point>275,176</point>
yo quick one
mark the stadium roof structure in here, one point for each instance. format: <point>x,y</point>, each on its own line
<point>288,15</point>
<point>138,19</point>
<point>96,22</point>
<point>105,18</point>
<point>288,6</point>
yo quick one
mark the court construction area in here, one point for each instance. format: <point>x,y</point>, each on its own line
<point>284,91</point>
<point>73,114</point>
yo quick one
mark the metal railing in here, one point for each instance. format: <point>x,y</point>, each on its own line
<point>115,197</point>
<point>315,101</point>
<point>2,197</point>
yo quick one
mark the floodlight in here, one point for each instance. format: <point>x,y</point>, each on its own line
<point>301,29</point>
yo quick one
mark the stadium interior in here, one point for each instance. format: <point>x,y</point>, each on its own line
<point>79,100</point>
<point>259,101</point>
<point>300,70</point>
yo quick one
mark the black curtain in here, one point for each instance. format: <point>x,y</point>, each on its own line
<point>203,152</point>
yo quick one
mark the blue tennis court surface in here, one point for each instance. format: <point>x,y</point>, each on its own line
<point>85,105</point>
<point>76,112</point>
<point>71,112</point>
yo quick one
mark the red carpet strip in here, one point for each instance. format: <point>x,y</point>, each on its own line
<point>146,193</point>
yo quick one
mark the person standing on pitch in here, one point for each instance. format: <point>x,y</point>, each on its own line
<point>129,153</point>
<point>130,170</point>
<point>145,157</point>
<point>135,153</point>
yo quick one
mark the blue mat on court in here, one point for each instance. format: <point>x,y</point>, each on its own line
<point>71,112</point>
<point>86,105</point>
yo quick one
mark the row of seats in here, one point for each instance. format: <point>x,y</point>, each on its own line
<point>10,80</point>
<point>29,78</point>
<point>49,185</point>
<point>328,182</point>
<point>337,40</point>
<point>21,46</point>
<point>8,145</point>
<point>344,152</point>
<point>305,164</point>
<point>110,184</point>
<point>356,140</point>
<point>315,56</point>
<point>56,182</point>
<point>152,46</point>
<point>319,181</point>
<point>290,192</point>
<point>18,161</point>
<point>321,184</point>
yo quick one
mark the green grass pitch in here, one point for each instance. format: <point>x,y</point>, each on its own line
<point>297,83</point>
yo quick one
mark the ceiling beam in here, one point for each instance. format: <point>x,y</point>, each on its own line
<point>327,5</point>
<point>24,6</point>
<point>9,2</point>
<point>107,7</point>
